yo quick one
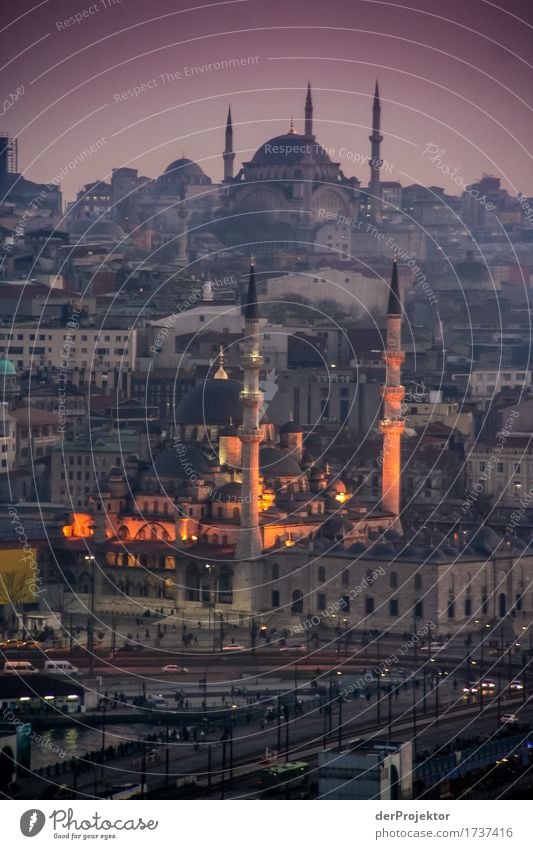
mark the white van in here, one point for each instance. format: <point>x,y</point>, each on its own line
<point>19,667</point>
<point>60,667</point>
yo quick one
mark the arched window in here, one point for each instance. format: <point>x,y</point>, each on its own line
<point>502,605</point>
<point>297,605</point>
<point>321,574</point>
<point>393,579</point>
<point>165,535</point>
<point>123,532</point>
<point>236,513</point>
<point>141,534</point>
<point>153,533</point>
<point>214,539</point>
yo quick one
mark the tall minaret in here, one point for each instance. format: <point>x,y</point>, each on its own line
<point>250,543</point>
<point>392,425</point>
<point>228,156</point>
<point>375,162</point>
<point>308,112</point>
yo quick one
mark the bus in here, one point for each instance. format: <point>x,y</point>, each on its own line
<point>282,777</point>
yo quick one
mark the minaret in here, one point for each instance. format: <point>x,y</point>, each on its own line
<point>250,544</point>
<point>182,257</point>
<point>375,162</point>
<point>228,156</point>
<point>392,425</point>
<point>308,112</point>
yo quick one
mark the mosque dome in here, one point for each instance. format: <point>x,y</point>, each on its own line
<point>212,402</point>
<point>290,427</point>
<point>95,230</point>
<point>336,526</point>
<point>185,171</point>
<point>169,463</point>
<point>229,492</point>
<point>290,149</point>
<point>275,463</point>
<point>7,369</point>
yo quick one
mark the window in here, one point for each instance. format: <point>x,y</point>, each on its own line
<point>418,582</point>
<point>369,605</point>
<point>419,609</point>
<point>275,571</point>
<point>321,574</point>
<point>345,577</point>
<point>499,468</point>
<point>393,607</point>
<point>297,605</point>
<point>451,609</point>
<point>393,580</point>
<point>321,601</point>
<point>275,598</point>
<point>468,606</point>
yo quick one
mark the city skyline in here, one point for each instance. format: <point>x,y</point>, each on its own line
<point>469,102</point>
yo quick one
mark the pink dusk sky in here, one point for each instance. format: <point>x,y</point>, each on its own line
<point>455,74</point>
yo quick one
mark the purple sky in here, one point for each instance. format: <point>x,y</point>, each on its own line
<point>457,74</point>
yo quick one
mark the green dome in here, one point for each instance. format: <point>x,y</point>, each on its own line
<point>7,369</point>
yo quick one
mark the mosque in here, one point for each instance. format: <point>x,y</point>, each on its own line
<point>290,180</point>
<point>292,175</point>
<point>237,519</point>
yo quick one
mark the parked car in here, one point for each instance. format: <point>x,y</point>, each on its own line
<point>234,647</point>
<point>173,667</point>
<point>19,667</point>
<point>516,685</point>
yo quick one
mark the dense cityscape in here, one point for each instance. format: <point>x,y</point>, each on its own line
<point>266,456</point>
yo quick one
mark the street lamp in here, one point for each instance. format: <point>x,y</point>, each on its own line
<point>91,559</point>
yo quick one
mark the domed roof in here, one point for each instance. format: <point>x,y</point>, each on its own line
<point>290,427</point>
<point>212,402</point>
<point>290,149</point>
<point>336,525</point>
<point>186,170</point>
<point>229,430</point>
<point>484,540</point>
<point>276,463</point>
<point>89,229</point>
<point>7,369</point>
<point>169,464</point>
<point>229,492</point>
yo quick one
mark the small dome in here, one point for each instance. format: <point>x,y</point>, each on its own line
<point>290,427</point>
<point>169,464</point>
<point>357,548</point>
<point>484,540</point>
<point>335,526</point>
<point>185,171</point>
<point>229,430</point>
<point>7,369</point>
<point>229,492</point>
<point>275,463</point>
<point>212,402</point>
